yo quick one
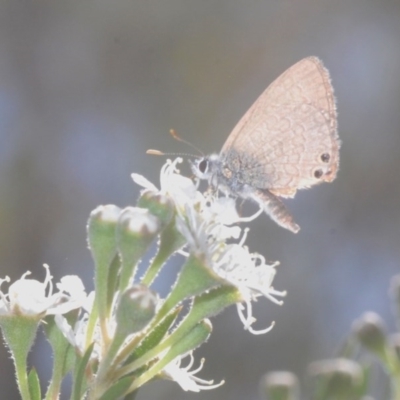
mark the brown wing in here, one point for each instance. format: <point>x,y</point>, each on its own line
<point>288,138</point>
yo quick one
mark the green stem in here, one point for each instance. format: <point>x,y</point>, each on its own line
<point>22,377</point>
<point>153,270</point>
<point>392,364</point>
<point>394,367</point>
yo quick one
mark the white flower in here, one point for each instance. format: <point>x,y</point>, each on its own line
<point>248,272</point>
<point>185,378</point>
<point>205,220</point>
<point>33,298</point>
<point>185,195</point>
<point>206,233</point>
<point>76,335</point>
<point>179,188</point>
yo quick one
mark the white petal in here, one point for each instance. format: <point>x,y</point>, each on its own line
<point>143,182</point>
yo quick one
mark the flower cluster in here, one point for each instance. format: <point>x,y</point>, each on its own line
<point>123,334</point>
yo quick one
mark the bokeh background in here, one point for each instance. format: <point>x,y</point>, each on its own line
<point>87,86</point>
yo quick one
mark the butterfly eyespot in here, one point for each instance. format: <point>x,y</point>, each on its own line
<point>318,173</point>
<point>325,157</point>
<point>203,164</point>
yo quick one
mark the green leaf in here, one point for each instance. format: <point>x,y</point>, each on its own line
<point>198,335</point>
<point>205,306</point>
<point>195,278</point>
<point>34,385</point>
<point>113,276</point>
<point>193,339</point>
<point>155,335</point>
<point>118,389</point>
<point>78,387</point>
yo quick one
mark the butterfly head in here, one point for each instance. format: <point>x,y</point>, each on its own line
<point>206,168</point>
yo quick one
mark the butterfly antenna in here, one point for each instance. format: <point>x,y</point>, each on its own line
<point>154,152</point>
<point>179,139</point>
<point>173,133</point>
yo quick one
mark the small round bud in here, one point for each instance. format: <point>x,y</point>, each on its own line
<point>135,309</point>
<point>370,331</point>
<point>337,377</point>
<point>137,229</point>
<point>158,204</point>
<point>101,232</point>
<point>108,213</point>
<point>280,385</point>
<point>139,221</point>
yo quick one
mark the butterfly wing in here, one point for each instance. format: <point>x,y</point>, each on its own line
<point>288,138</point>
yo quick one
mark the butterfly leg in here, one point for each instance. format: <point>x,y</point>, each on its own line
<point>275,208</point>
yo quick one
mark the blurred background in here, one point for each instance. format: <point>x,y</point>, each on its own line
<point>87,86</point>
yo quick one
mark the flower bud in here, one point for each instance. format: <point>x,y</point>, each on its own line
<point>101,233</point>
<point>158,204</point>
<point>135,309</point>
<point>280,385</point>
<point>137,228</point>
<point>370,331</point>
<point>337,378</point>
<point>102,243</point>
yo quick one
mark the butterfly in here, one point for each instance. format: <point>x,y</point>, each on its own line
<point>286,141</point>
